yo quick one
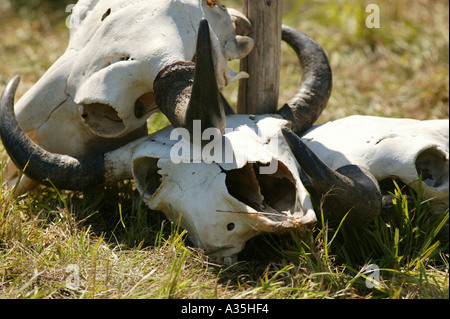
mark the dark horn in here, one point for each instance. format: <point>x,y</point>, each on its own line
<point>185,91</point>
<point>61,170</point>
<point>316,83</point>
<point>350,189</point>
<point>206,102</point>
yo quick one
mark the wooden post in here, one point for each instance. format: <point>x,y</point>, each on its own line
<point>259,93</point>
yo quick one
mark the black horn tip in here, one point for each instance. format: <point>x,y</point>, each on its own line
<point>10,90</point>
<point>203,25</point>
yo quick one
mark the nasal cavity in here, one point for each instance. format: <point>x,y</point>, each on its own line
<point>103,120</point>
<point>145,172</point>
<point>249,186</point>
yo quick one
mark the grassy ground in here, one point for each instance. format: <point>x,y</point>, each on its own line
<point>105,244</point>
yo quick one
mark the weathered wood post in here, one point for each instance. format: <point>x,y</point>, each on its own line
<point>259,93</point>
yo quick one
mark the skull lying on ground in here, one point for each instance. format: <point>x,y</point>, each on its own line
<point>245,181</point>
<point>406,149</point>
<point>99,94</point>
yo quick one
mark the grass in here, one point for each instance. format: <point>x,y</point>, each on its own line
<point>134,253</point>
<point>104,243</point>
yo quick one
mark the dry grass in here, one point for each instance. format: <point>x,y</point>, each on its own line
<point>124,251</point>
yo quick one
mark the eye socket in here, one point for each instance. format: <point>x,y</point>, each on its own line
<point>230,226</point>
<point>147,178</point>
<point>103,119</point>
<point>144,105</point>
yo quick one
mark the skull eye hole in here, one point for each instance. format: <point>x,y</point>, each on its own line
<point>102,119</point>
<point>144,104</point>
<point>274,193</point>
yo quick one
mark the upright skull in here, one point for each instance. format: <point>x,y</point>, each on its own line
<point>99,93</point>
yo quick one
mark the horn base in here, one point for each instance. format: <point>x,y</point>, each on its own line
<point>349,191</point>
<point>172,91</point>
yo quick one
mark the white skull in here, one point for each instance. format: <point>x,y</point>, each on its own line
<point>211,197</point>
<point>247,181</point>
<point>248,184</point>
<point>225,193</point>
<point>387,147</point>
<point>98,95</point>
<point>222,203</point>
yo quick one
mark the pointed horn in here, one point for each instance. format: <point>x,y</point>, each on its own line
<point>185,91</point>
<point>316,83</point>
<point>63,171</point>
<point>206,102</point>
<point>349,189</point>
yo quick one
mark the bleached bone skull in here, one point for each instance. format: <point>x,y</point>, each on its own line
<point>404,149</point>
<point>98,95</point>
<point>223,203</point>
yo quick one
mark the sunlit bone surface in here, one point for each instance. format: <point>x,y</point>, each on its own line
<point>389,147</point>
<point>98,95</point>
<point>214,199</point>
<point>99,92</point>
<point>253,187</point>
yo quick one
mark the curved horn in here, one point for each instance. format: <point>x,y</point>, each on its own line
<point>185,91</point>
<point>316,83</point>
<point>350,188</point>
<point>63,171</point>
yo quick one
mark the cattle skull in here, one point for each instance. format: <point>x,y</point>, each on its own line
<point>406,149</point>
<point>98,95</point>
<point>222,203</point>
